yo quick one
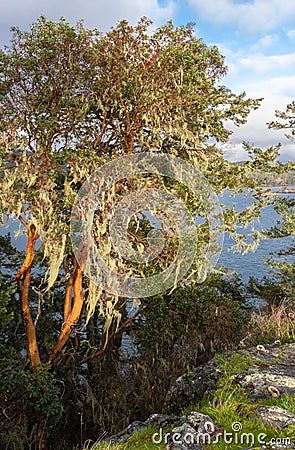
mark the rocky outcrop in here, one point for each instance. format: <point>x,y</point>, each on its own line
<point>192,387</point>
<point>270,373</point>
<point>156,420</point>
<point>186,431</point>
<point>190,432</point>
<point>273,416</point>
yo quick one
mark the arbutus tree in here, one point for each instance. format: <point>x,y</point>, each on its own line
<point>43,101</point>
<point>72,99</point>
<point>43,112</point>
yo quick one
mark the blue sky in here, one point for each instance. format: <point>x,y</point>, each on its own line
<point>257,38</point>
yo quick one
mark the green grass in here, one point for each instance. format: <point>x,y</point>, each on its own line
<point>228,405</point>
<point>143,440</point>
<point>286,401</point>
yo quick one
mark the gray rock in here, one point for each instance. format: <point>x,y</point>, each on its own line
<point>280,376</point>
<point>185,434</point>
<point>192,387</point>
<point>274,372</point>
<point>184,437</point>
<point>198,420</point>
<point>157,420</point>
<point>125,434</point>
<point>190,432</point>
<point>272,353</point>
<point>273,416</point>
<point>273,365</point>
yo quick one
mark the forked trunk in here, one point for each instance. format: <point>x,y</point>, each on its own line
<point>23,279</point>
<point>72,314</point>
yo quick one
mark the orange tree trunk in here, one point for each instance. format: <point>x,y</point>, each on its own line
<point>23,279</point>
<point>71,315</point>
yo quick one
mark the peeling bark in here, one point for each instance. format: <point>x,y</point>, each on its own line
<point>68,298</point>
<point>23,279</point>
<point>72,316</point>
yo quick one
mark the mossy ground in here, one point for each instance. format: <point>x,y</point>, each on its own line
<point>228,406</point>
<point>142,440</point>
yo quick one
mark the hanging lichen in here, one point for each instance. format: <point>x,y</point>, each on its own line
<point>128,92</point>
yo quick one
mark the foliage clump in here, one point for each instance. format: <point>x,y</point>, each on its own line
<point>71,100</point>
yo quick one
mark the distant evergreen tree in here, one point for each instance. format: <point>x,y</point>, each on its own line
<point>281,287</point>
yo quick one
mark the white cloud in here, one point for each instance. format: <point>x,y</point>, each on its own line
<point>234,152</point>
<point>260,74</point>
<point>271,77</point>
<point>259,63</point>
<point>277,87</point>
<point>252,17</point>
<point>101,14</point>
<point>256,131</point>
<point>291,35</point>
<point>265,42</point>
<point>289,152</point>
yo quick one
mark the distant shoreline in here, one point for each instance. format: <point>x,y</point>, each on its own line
<point>287,191</point>
<point>281,189</point>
